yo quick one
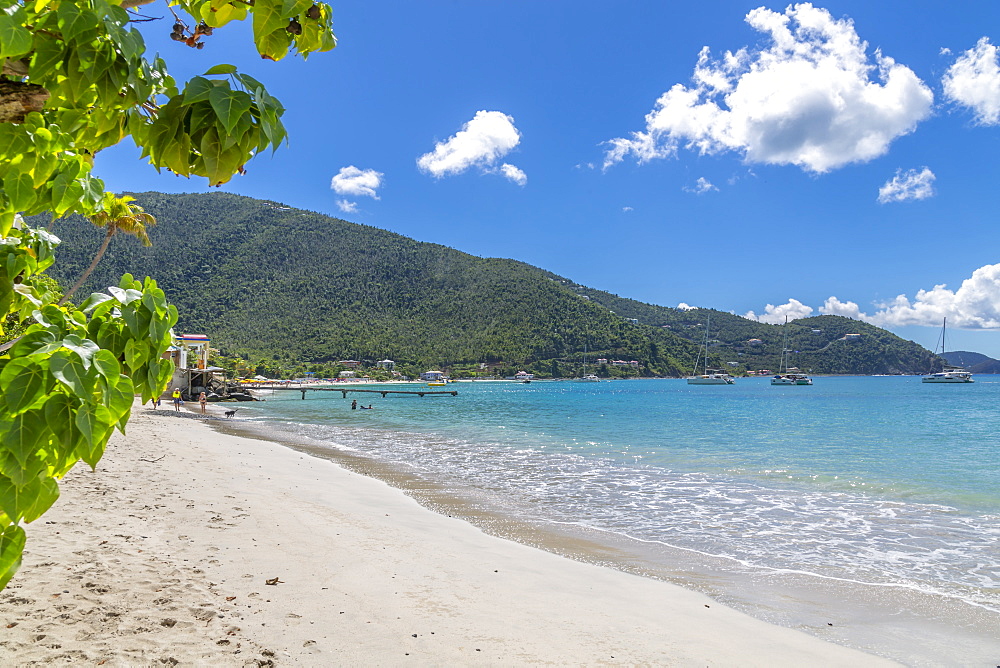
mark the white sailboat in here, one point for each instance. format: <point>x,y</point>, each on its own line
<point>948,374</point>
<point>586,377</point>
<point>711,376</point>
<point>788,375</point>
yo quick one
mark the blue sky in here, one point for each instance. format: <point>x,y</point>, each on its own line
<point>599,141</point>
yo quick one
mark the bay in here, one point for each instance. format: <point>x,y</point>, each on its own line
<point>873,502</point>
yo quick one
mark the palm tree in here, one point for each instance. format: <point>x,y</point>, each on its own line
<point>117,214</point>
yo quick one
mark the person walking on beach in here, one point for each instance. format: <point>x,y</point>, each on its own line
<point>176,396</point>
<point>354,405</point>
<point>202,399</point>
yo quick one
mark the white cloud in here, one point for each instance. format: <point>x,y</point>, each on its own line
<point>774,315</point>
<point>626,209</point>
<point>514,174</point>
<point>808,99</point>
<point>347,206</point>
<point>911,184</point>
<point>356,182</point>
<point>702,186</point>
<point>685,307</point>
<point>945,51</point>
<point>833,306</point>
<point>974,305</point>
<point>973,81</point>
<point>481,142</point>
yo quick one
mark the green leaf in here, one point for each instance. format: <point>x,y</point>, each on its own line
<point>136,354</point>
<point>22,381</point>
<point>35,340</point>
<point>229,105</point>
<point>94,421</point>
<point>60,413</point>
<point>153,373</point>
<point>212,153</point>
<point>75,22</point>
<point>119,400</point>
<point>267,18</point>
<point>25,435</point>
<point>198,89</point>
<point>67,191</point>
<point>221,69</point>
<point>274,45</point>
<point>20,188</point>
<point>15,499</point>
<point>251,83</point>
<point>294,7</point>
<point>107,365</point>
<point>93,301</point>
<point>11,547</point>
<point>18,472</point>
<point>69,370</point>
<point>82,347</point>
<point>15,39</point>
<point>48,493</point>
<point>27,501</point>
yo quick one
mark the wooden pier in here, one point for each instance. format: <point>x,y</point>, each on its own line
<point>344,392</point>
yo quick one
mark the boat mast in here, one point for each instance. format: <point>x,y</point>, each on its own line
<point>783,362</point>
<point>708,323</point>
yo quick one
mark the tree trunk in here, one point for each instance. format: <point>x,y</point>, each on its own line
<point>18,99</point>
<point>93,263</point>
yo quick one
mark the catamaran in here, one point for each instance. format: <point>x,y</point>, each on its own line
<point>711,376</point>
<point>948,373</point>
<point>788,375</point>
<point>586,377</point>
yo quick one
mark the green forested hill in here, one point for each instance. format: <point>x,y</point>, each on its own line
<point>268,281</point>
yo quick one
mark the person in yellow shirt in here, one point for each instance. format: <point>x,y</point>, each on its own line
<point>177,399</point>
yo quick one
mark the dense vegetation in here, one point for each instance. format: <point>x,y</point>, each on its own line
<point>278,285</point>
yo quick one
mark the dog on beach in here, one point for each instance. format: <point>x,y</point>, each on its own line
<point>231,413</point>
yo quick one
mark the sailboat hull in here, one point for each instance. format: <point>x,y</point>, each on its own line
<point>710,380</point>
<point>791,380</point>
<point>948,378</point>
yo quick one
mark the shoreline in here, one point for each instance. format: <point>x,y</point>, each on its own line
<point>900,623</point>
<point>164,554</point>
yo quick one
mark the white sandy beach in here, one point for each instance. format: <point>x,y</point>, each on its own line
<point>163,555</point>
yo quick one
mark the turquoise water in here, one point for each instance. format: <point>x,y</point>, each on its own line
<point>880,481</point>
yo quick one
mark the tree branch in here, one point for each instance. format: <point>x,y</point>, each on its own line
<point>15,68</point>
<point>18,99</point>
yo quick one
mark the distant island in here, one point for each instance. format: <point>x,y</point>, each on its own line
<point>287,291</point>
<point>974,362</point>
